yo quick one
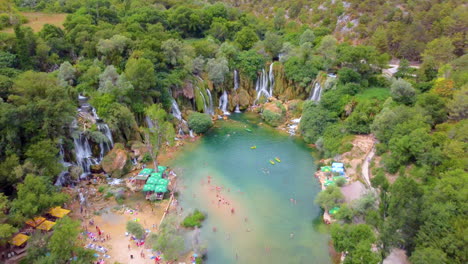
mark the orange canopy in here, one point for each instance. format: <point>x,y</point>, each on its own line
<point>35,221</point>
<point>46,225</point>
<point>19,239</point>
<point>58,212</point>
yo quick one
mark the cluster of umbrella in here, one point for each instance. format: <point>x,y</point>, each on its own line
<point>40,223</point>
<point>155,183</point>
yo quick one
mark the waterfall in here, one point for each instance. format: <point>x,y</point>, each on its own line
<point>223,103</point>
<point>321,83</point>
<point>236,86</point>
<point>84,155</point>
<point>265,83</point>
<point>317,92</point>
<point>82,144</point>
<point>175,111</point>
<point>105,146</point>
<point>236,80</point>
<point>64,176</point>
<point>210,103</point>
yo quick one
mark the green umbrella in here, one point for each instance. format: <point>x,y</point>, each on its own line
<point>156,175</point>
<point>146,171</point>
<point>148,187</point>
<point>328,182</point>
<point>161,168</point>
<point>152,180</point>
<point>326,168</point>
<point>334,210</point>
<point>160,188</point>
<point>163,182</point>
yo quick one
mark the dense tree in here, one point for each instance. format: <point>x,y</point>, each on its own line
<point>330,197</point>
<point>246,38</point>
<point>273,44</point>
<point>35,195</point>
<point>200,123</point>
<point>403,92</point>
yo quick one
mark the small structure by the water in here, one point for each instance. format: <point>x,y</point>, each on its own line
<point>142,176</point>
<point>156,184</point>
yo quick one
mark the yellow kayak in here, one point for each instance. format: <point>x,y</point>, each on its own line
<point>277,159</point>
<point>272,162</point>
<point>253,147</point>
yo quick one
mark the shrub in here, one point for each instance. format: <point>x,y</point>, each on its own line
<point>272,118</point>
<point>340,182</point>
<point>200,123</point>
<point>135,229</point>
<point>146,158</point>
<point>101,189</point>
<point>194,219</point>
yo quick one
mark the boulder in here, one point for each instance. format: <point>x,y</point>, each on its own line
<point>117,162</point>
<point>97,168</point>
<point>139,149</point>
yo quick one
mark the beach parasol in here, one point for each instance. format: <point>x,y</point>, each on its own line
<point>19,239</point>
<point>148,187</point>
<point>58,212</point>
<point>46,225</point>
<point>163,182</point>
<point>157,175</point>
<point>325,169</point>
<point>334,210</point>
<point>160,188</point>
<point>152,180</point>
<point>35,221</point>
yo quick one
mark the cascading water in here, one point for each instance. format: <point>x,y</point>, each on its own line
<point>317,92</point>
<point>64,176</point>
<point>175,111</point>
<point>320,84</point>
<point>223,103</point>
<point>236,86</point>
<point>265,83</point>
<point>210,109</point>
<point>105,146</point>
<point>236,80</point>
<point>82,143</point>
<point>84,155</point>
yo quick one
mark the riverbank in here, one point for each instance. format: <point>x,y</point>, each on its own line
<point>111,214</point>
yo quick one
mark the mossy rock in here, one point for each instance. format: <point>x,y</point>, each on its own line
<point>274,113</point>
<point>244,99</point>
<point>117,163</point>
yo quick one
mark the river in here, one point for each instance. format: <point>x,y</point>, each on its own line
<point>267,212</point>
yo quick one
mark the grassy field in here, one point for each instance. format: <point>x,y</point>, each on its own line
<point>37,20</point>
<point>370,93</point>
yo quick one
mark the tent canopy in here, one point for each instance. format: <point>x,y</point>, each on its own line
<point>145,172</point>
<point>163,182</point>
<point>337,165</point>
<point>334,210</point>
<point>19,239</point>
<point>148,187</point>
<point>156,175</point>
<point>35,221</point>
<point>161,168</point>
<point>325,168</point>
<point>152,180</point>
<point>160,188</point>
<point>46,225</point>
<point>328,182</point>
<point>58,212</point>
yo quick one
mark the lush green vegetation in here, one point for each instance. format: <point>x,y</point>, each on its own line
<point>194,219</point>
<point>200,123</point>
<point>133,58</point>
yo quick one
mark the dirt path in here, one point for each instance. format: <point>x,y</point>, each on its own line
<point>365,167</point>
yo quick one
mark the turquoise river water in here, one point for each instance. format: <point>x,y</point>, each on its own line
<point>267,212</point>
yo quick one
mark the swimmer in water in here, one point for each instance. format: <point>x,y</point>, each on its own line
<point>291,236</point>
